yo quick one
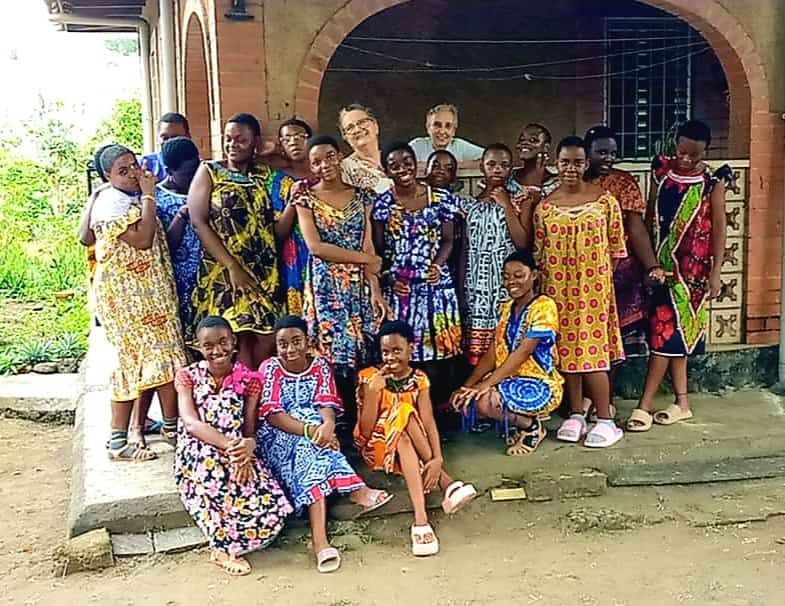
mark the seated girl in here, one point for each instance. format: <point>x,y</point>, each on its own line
<point>396,432</point>
<point>517,376</point>
<point>297,435</point>
<point>229,493</point>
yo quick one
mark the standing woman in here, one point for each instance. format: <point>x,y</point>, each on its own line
<point>135,298</point>
<point>363,168</point>
<point>343,300</point>
<point>180,157</point>
<point>292,137</point>
<point>234,216</point>
<point>578,238</point>
<point>687,207</point>
<point>413,225</point>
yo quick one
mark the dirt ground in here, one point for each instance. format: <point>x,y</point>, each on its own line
<point>632,547</point>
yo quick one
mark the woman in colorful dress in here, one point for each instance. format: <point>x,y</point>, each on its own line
<point>688,221</point>
<point>413,226</point>
<point>517,379</point>
<point>578,239</point>
<point>532,180</point>
<point>234,216</point>
<point>296,435</point>
<point>225,488</point>
<point>181,159</point>
<point>135,298</point>
<point>292,137</point>
<point>640,264</point>
<point>396,432</point>
<point>363,168</point>
<point>493,231</point>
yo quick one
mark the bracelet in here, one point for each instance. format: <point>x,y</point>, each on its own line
<point>148,197</point>
<point>305,431</point>
<point>652,268</point>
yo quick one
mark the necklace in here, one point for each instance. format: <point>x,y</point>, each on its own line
<point>397,385</point>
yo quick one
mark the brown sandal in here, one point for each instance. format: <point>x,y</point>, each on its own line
<point>528,439</point>
<point>170,437</point>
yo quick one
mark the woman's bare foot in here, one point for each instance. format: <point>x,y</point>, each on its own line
<point>236,566</point>
<point>136,436</point>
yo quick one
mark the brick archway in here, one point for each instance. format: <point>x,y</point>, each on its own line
<point>751,120</point>
<point>197,104</point>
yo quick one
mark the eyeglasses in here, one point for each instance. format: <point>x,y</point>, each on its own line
<point>294,137</point>
<point>352,128</point>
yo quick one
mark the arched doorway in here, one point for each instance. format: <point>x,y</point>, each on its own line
<point>197,87</point>
<point>751,129</point>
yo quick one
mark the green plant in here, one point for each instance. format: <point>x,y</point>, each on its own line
<point>10,361</point>
<point>34,352</point>
<point>69,345</point>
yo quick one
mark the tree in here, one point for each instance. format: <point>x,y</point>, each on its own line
<point>123,127</point>
<point>124,46</point>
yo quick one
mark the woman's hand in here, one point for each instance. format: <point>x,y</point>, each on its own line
<point>430,474</point>
<point>381,310</point>
<point>379,380</point>
<point>324,434</point>
<point>244,473</point>
<point>241,450</point>
<point>147,182</point>
<point>374,264</point>
<point>501,196</point>
<point>434,273</point>
<point>657,275</point>
<point>241,280</point>
<point>401,288</point>
<point>715,283</point>
<point>461,397</point>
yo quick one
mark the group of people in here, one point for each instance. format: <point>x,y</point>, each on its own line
<point>270,294</point>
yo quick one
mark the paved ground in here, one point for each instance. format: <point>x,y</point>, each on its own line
<point>657,546</point>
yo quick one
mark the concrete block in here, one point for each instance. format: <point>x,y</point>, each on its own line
<point>41,398</point>
<point>126,545</point>
<point>90,551</point>
<point>178,539</point>
<point>546,486</point>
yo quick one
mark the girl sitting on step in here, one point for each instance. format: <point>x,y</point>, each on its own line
<point>396,431</point>
<point>230,494</point>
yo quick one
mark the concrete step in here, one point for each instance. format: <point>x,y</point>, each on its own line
<point>49,398</point>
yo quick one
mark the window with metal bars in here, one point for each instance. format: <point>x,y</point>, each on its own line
<point>647,86</point>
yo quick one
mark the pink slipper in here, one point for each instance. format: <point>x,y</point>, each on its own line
<point>572,430</point>
<point>457,495</point>
<point>603,435</point>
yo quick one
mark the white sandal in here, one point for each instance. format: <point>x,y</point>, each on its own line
<point>421,547</point>
<point>456,496</point>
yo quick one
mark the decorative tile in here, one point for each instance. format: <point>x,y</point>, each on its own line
<point>735,217</point>
<point>734,256</point>
<point>725,326</point>
<point>731,293</point>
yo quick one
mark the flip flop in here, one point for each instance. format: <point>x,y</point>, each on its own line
<point>131,452</point>
<point>328,560</point>
<point>603,435</point>
<point>381,498</point>
<point>152,427</point>
<point>572,430</point>
<point>456,496</point>
<point>640,420</point>
<point>672,414</point>
<point>420,547</point>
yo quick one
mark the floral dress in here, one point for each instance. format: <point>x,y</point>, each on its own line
<point>628,277</point>
<point>307,472</point>
<point>135,299</point>
<point>243,216</point>
<point>575,248</point>
<point>337,302</point>
<point>187,256</point>
<point>398,405</point>
<point>682,241</point>
<point>411,243</point>
<point>235,518</point>
<point>294,253</point>
<point>536,387</point>
<point>488,243</point>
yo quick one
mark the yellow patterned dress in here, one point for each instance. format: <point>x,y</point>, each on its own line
<point>575,249</point>
<point>398,404</point>
<point>136,302</point>
<point>242,215</point>
<point>536,388</point>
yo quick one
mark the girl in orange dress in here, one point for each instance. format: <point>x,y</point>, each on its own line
<point>578,236</point>
<point>396,432</point>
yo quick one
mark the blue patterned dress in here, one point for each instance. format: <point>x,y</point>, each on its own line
<point>235,518</point>
<point>307,472</point>
<point>337,303</point>
<point>411,243</point>
<point>294,251</point>
<point>186,257</point>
